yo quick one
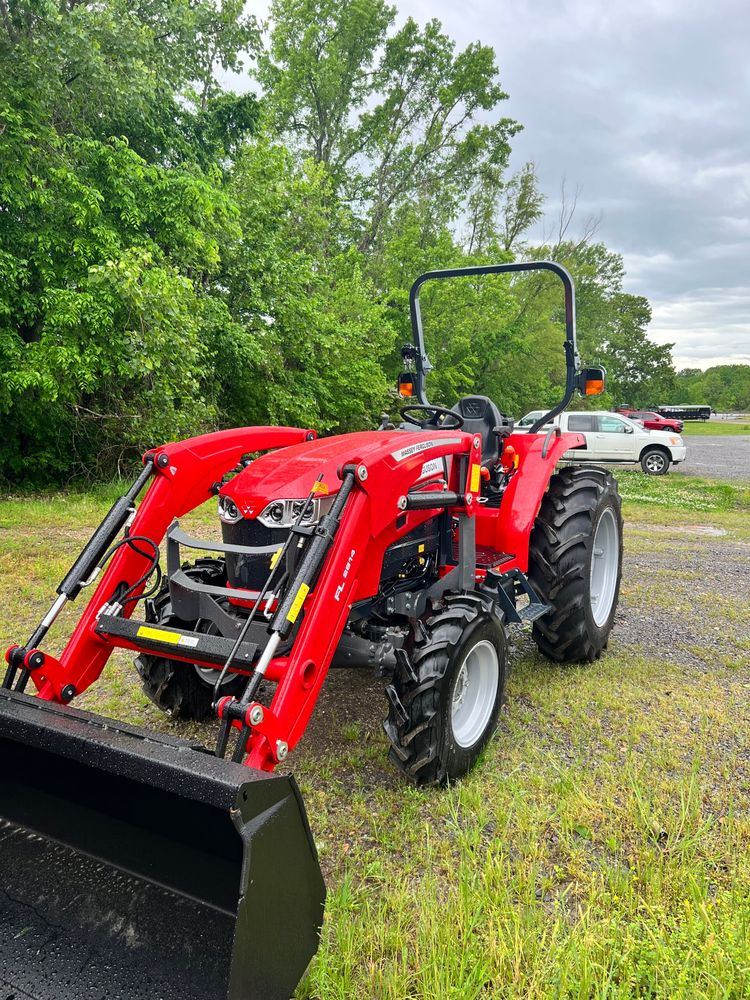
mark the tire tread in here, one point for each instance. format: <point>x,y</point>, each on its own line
<point>558,550</point>
<point>416,737</point>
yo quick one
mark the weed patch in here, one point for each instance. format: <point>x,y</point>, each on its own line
<point>684,493</point>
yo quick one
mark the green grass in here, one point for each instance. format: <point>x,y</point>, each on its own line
<point>683,493</point>
<point>698,428</point>
<point>678,500</point>
<point>600,849</point>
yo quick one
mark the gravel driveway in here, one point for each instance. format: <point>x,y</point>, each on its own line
<point>717,457</point>
<point>685,594</point>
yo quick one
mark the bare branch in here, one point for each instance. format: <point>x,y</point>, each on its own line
<point>5,14</point>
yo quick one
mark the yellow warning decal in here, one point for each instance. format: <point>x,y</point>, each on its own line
<point>275,556</point>
<point>299,600</point>
<point>144,632</point>
<point>476,471</point>
<point>320,487</point>
<point>421,547</point>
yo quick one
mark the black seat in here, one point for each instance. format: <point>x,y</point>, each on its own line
<point>481,416</point>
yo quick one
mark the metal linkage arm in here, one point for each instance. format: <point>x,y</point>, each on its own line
<point>83,570</point>
<point>184,474</point>
<point>290,606</point>
<point>331,577</point>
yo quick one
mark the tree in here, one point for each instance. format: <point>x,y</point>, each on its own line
<point>640,372</point>
<point>520,208</point>
<point>110,233</point>
<point>319,335</point>
<point>175,257</point>
<point>103,261</point>
<point>392,114</point>
<point>726,388</point>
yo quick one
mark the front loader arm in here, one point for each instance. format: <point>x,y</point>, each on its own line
<point>376,500</point>
<point>184,474</point>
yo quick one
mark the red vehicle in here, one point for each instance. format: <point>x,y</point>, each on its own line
<point>169,870</point>
<point>653,421</point>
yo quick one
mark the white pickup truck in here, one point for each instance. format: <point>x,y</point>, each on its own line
<point>611,437</point>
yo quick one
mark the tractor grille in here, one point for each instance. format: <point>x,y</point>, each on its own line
<point>249,572</point>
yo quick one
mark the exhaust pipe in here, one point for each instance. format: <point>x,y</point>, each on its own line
<point>137,866</point>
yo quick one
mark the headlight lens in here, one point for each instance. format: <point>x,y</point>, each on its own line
<point>284,513</point>
<point>229,511</point>
<point>274,514</point>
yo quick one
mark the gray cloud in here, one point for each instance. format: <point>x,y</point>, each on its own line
<point>644,106</point>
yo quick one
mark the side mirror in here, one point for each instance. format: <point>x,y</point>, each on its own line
<point>407,385</point>
<point>629,429</point>
<point>592,381</point>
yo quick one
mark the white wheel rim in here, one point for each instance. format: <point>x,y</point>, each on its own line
<point>654,463</point>
<point>209,675</point>
<point>474,693</point>
<point>605,563</point>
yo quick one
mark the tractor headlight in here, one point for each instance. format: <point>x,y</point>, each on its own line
<point>285,513</point>
<point>229,511</point>
<point>273,515</point>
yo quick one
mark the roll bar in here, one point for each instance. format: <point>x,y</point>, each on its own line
<point>572,360</point>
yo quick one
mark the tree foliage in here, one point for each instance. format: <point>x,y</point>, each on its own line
<point>725,388</point>
<point>318,333</point>
<point>390,112</point>
<point>176,257</point>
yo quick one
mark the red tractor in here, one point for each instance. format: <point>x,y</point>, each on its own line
<point>407,550</point>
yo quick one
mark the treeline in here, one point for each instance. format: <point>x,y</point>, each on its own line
<point>175,257</point>
<point>726,388</point>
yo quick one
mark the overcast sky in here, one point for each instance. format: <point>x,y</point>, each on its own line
<point>644,106</point>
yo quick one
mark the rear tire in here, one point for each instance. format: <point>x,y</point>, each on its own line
<point>177,688</point>
<point>655,462</point>
<point>445,707</point>
<point>575,563</point>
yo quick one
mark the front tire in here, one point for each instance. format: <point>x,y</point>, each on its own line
<point>575,563</point>
<point>655,462</point>
<point>183,690</point>
<point>445,702</point>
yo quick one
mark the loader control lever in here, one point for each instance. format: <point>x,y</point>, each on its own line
<point>440,417</point>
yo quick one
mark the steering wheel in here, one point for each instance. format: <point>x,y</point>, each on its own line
<point>451,421</point>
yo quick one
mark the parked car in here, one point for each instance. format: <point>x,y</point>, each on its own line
<point>611,437</point>
<point>653,421</point>
<point>529,419</point>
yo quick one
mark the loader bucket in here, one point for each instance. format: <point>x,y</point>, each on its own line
<point>138,867</point>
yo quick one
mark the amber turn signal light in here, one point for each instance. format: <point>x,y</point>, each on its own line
<point>406,384</point>
<point>594,387</point>
<point>592,381</point>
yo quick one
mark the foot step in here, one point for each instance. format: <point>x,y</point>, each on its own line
<point>532,611</point>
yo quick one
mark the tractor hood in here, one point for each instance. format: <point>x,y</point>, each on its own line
<point>289,473</point>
